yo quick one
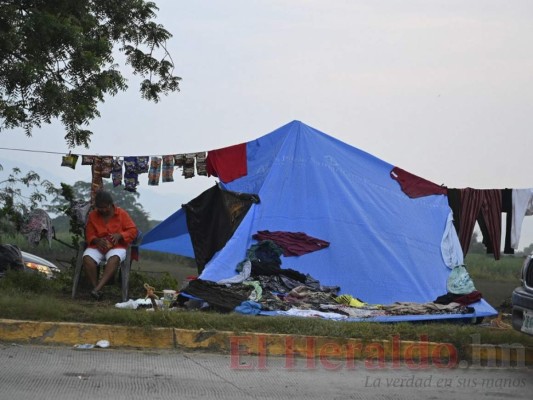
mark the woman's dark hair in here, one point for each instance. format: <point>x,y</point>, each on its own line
<point>103,198</point>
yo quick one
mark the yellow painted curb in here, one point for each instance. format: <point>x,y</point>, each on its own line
<point>329,350</point>
<point>222,341</point>
<point>333,352</point>
<point>71,334</point>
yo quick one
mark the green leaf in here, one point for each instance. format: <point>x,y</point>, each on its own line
<point>56,60</point>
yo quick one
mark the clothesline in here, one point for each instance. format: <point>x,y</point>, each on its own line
<point>80,154</point>
<point>226,163</point>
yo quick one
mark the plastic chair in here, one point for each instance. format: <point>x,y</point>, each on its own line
<point>125,267</point>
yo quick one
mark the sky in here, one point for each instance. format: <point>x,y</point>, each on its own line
<point>441,88</point>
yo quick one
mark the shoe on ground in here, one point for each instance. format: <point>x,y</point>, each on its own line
<point>97,294</point>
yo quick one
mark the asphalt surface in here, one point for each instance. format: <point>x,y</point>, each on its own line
<point>59,372</point>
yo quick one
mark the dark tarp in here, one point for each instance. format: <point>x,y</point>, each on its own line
<point>212,219</point>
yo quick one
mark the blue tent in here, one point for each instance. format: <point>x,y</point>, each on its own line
<point>384,246</point>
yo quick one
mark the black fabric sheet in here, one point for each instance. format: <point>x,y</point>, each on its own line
<point>212,219</point>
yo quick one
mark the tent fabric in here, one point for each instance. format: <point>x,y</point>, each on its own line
<point>384,246</point>
<point>212,218</point>
<point>170,236</point>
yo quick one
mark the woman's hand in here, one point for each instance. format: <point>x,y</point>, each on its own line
<point>115,238</point>
<point>102,244</point>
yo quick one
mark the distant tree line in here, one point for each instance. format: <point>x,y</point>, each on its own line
<point>477,247</point>
<point>129,201</point>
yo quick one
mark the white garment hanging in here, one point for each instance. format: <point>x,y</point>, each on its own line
<point>450,247</point>
<point>522,206</point>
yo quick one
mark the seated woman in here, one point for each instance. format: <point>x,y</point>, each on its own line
<point>109,231</point>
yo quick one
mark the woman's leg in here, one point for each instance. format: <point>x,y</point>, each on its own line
<point>109,270</point>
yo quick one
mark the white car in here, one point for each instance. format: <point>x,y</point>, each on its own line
<point>36,263</point>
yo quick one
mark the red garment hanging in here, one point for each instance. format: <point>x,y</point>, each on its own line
<point>228,163</point>
<point>414,186</point>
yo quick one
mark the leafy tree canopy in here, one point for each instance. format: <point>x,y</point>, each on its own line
<point>56,60</point>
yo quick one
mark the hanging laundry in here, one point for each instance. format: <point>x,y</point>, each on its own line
<point>522,206</point>
<point>292,243</point>
<point>228,163</point>
<point>107,166</point>
<point>116,173</point>
<point>168,169</point>
<point>450,247</point>
<point>414,186</point>
<point>507,207</point>
<point>131,180</point>
<point>87,160</point>
<point>454,201</point>
<point>97,183</point>
<point>179,160</point>
<point>69,160</point>
<point>36,226</point>
<point>201,168</point>
<point>130,164</point>
<point>188,166</point>
<point>133,166</point>
<point>142,164</point>
<point>155,171</point>
<point>485,207</point>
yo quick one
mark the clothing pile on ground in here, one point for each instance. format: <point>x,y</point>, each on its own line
<point>262,286</point>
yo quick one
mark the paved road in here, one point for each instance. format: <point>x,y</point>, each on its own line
<point>38,372</point>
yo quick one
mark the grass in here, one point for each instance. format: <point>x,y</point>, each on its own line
<point>29,305</point>
<point>507,269</point>
<point>495,279</point>
<point>31,297</point>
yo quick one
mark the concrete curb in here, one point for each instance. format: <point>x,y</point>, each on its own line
<point>375,354</point>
